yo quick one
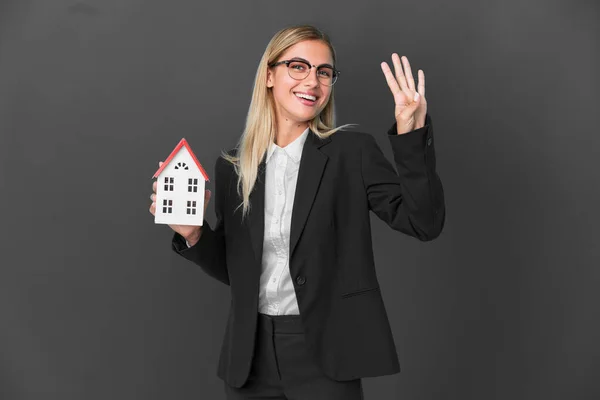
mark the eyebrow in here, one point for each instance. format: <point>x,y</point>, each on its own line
<point>305,60</point>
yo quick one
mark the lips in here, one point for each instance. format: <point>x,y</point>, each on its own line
<point>305,101</point>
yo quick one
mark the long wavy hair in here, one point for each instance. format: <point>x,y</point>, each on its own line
<point>261,120</point>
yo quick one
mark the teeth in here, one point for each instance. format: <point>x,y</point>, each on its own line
<point>306,96</point>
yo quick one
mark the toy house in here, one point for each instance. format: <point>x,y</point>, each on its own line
<point>180,188</point>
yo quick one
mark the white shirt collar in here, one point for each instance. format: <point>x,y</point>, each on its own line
<point>293,150</point>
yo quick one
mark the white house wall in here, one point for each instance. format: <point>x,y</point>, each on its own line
<point>180,195</point>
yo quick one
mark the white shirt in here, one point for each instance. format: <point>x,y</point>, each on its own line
<point>277,295</point>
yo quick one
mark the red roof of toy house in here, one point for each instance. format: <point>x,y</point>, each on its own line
<point>181,144</point>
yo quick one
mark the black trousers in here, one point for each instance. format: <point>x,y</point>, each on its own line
<point>283,369</point>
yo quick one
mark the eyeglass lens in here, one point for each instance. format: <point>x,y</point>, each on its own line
<point>300,70</point>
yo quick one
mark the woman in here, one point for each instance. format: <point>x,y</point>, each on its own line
<point>293,238</point>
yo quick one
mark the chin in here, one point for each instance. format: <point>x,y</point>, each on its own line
<point>302,117</point>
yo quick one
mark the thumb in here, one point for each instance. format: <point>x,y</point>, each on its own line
<point>408,111</point>
<point>207,196</point>
<point>416,100</point>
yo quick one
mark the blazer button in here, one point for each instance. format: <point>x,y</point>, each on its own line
<point>429,140</point>
<point>300,280</point>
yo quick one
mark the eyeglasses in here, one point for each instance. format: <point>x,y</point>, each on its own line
<point>299,69</point>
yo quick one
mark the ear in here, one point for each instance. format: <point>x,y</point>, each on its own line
<point>269,78</point>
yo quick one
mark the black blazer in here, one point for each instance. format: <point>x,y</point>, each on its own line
<point>331,261</point>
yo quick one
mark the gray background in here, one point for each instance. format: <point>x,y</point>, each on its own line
<point>95,305</point>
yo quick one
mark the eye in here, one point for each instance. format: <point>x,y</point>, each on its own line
<point>297,66</point>
<point>326,72</point>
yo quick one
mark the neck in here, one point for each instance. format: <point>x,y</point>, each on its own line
<point>288,131</point>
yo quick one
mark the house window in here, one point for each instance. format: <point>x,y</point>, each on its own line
<point>191,207</point>
<point>193,185</point>
<point>167,206</point>
<point>169,184</point>
<point>181,165</point>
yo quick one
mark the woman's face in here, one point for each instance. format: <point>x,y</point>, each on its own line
<point>285,88</point>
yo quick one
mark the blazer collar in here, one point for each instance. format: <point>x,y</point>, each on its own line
<point>312,165</point>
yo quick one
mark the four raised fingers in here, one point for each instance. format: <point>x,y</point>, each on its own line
<point>403,83</point>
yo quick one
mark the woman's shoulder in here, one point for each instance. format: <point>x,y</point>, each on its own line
<point>351,139</point>
<point>223,165</point>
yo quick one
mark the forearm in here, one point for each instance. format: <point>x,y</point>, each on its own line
<point>422,190</point>
<point>411,199</point>
<point>208,252</point>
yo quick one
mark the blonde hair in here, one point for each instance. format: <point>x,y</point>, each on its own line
<point>260,127</point>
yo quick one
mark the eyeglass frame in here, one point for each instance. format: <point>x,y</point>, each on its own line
<point>287,63</point>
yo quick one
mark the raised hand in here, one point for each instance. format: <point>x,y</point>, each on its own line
<point>411,106</point>
<point>190,233</point>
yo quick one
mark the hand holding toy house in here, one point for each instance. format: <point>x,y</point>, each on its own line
<point>180,188</point>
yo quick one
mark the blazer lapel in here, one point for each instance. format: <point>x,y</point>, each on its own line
<point>256,216</point>
<point>312,165</point>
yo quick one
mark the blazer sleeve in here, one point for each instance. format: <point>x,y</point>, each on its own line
<point>412,200</point>
<point>209,251</point>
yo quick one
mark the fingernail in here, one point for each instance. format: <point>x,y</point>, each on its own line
<point>416,96</point>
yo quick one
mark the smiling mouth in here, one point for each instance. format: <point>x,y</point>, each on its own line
<point>306,99</point>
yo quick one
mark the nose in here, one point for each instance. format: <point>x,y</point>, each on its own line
<point>312,78</point>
